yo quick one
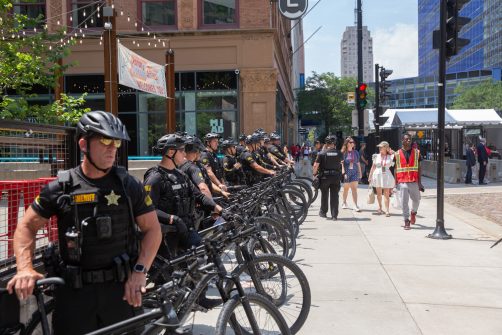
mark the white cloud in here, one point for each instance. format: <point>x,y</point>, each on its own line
<point>396,48</point>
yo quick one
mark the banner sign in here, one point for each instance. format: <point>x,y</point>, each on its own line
<point>139,73</point>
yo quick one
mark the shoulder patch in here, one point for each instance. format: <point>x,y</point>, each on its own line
<point>200,174</point>
<point>148,200</point>
<point>250,158</point>
<point>148,188</point>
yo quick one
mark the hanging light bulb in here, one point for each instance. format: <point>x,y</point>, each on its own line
<point>164,44</point>
<point>83,14</point>
<point>118,40</point>
<point>85,26</point>
<point>121,12</point>
<point>154,37</point>
<point>35,29</point>
<point>148,43</point>
<point>99,15</point>
<point>128,18</point>
<point>71,18</point>
<point>50,47</point>
<point>113,5</point>
<point>58,23</point>
<point>155,45</point>
<point>134,42</point>
<point>101,37</point>
<point>136,24</point>
<point>142,28</point>
<point>80,41</point>
<point>148,34</point>
<point>83,35</point>
<point>80,30</point>
<point>100,43</point>
<point>24,32</point>
<point>92,20</point>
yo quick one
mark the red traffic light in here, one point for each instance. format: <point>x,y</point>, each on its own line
<point>363,87</point>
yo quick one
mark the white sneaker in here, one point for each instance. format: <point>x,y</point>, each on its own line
<point>344,206</point>
<point>356,209</point>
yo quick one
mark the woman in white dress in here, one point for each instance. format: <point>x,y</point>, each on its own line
<point>380,175</point>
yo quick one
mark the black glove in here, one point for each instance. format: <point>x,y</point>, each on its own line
<point>316,182</point>
<point>180,224</point>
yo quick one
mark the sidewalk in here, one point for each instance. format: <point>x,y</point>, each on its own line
<point>369,276</point>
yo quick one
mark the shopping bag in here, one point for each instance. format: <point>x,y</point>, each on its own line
<point>371,195</point>
<point>396,199</point>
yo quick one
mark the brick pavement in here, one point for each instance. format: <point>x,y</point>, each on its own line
<point>486,205</point>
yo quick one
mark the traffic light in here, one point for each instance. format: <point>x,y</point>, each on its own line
<point>384,85</point>
<point>454,24</point>
<point>361,95</point>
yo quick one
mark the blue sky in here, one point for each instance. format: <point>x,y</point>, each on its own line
<point>392,24</point>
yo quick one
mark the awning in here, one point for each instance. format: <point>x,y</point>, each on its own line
<point>428,118</point>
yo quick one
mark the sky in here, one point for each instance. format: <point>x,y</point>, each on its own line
<point>392,24</point>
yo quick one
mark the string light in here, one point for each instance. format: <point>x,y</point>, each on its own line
<point>128,18</point>
<point>121,12</point>
<point>83,13</point>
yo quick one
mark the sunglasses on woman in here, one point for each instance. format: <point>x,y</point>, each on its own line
<point>107,141</point>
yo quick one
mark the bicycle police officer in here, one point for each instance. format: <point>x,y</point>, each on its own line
<point>250,161</point>
<point>329,167</point>
<point>232,169</point>
<point>210,161</point>
<point>174,195</point>
<point>99,209</point>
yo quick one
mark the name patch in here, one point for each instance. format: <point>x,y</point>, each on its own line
<point>84,198</point>
<point>332,154</point>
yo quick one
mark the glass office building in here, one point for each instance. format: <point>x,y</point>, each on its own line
<point>484,32</point>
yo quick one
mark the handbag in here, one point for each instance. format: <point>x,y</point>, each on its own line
<point>371,195</point>
<point>396,201</point>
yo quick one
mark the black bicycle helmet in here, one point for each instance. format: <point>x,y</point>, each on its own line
<point>193,144</point>
<point>253,138</point>
<point>331,139</point>
<point>266,139</point>
<point>169,141</point>
<point>242,137</point>
<point>229,142</point>
<point>275,136</point>
<point>103,123</point>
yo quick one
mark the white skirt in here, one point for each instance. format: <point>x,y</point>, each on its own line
<point>382,179</point>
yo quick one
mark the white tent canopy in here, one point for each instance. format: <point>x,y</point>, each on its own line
<point>428,118</point>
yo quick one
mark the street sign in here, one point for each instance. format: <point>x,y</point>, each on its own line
<point>351,98</point>
<point>302,131</point>
<point>293,9</point>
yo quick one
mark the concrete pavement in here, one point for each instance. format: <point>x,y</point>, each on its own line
<point>369,276</point>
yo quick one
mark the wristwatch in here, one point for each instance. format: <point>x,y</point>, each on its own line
<point>140,268</point>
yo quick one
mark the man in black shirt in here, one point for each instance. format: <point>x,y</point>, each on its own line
<point>99,208</point>
<point>249,160</point>
<point>209,160</point>
<point>231,167</point>
<point>329,167</point>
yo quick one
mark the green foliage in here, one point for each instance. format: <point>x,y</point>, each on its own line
<point>485,95</point>
<point>325,99</point>
<point>69,109</point>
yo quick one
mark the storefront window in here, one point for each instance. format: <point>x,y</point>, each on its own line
<point>223,123</point>
<point>158,12</point>
<point>219,100</point>
<point>84,14</point>
<point>219,12</point>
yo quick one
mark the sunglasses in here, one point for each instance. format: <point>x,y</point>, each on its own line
<point>107,141</point>
<point>351,142</point>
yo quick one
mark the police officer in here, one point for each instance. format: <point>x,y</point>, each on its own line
<point>173,194</point>
<point>329,167</point>
<point>275,148</point>
<point>99,208</point>
<point>242,143</point>
<point>195,170</point>
<point>250,161</point>
<point>210,161</point>
<point>232,168</point>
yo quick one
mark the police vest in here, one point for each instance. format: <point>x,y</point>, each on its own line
<point>407,172</point>
<point>91,211</point>
<point>232,175</point>
<point>331,162</point>
<point>277,152</point>
<point>176,197</point>
<point>214,164</point>
<point>252,176</point>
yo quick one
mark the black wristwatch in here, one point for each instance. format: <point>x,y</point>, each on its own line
<point>139,268</point>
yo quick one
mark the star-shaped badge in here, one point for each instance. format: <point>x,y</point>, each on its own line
<point>112,198</point>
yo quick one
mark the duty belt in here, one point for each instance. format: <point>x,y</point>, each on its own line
<point>331,173</point>
<point>99,276</point>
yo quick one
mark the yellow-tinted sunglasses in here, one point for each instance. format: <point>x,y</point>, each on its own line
<point>107,141</point>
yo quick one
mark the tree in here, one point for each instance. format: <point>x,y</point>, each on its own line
<point>325,100</point>
<point>29,57</point>
<point>485,95</point>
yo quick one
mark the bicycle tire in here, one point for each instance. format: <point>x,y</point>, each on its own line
<point>297,202</point>
<point>268,273</point>
<point>35,320</point>
<point>290,232</point>
<point>228,313</point>
<point>274,233</point>
<point>302,187</point>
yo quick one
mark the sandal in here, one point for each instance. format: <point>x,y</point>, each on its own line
<point>387,214</point>
<point>379,212</point>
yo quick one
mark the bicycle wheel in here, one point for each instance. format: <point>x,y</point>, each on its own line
<point>283,282</point>
<point>234,320</point>
<point>34,325</point>
<point>306,190</point>
<point>274,233</point>
<point>296,202</point>
<point>290,233</point>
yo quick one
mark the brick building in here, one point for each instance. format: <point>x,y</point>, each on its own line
<point>237,63</point>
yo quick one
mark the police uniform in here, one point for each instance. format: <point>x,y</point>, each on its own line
<point>266,162</point>
<point>210,158</point>
<point>246,159</point>
<point>277,152</point>
<point>173,193</point>
<point>233,175</point>
<point>330,173</point>
<point>197,173</point>
<point>97,244</point>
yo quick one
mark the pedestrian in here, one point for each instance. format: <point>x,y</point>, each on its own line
<point>328,166</point>
<point>364,163</point>
<point>470,161</point>
<point>380,176</point>
<point>351,169</point>
<point>482,160</point>
<point>102,257</point>
<point>407,174</point>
